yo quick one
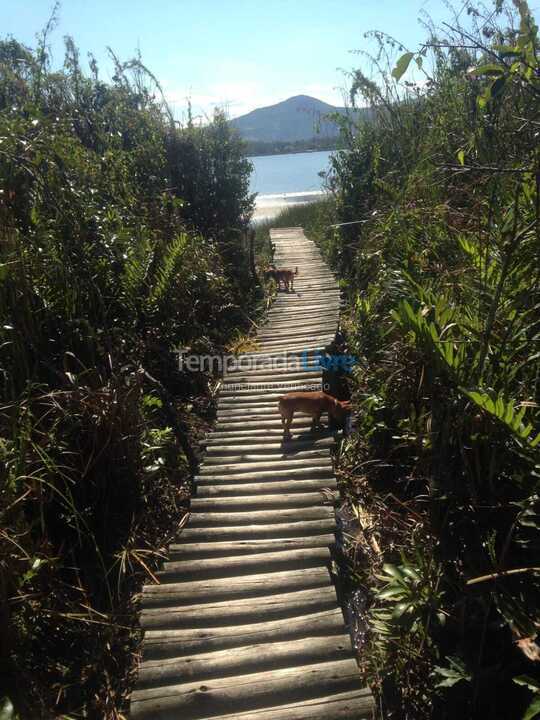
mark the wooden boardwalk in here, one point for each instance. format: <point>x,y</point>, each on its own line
<point>245,623</point>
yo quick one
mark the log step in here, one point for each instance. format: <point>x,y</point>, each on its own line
<point>324,485</point>
<point>319,470</point>
<point>259,657</point>
<point>270,465</point>
<point>176,643</point>
<point>278,606</point>
<point>293,528</point>
<point>253,586</point>
<point>211,568</point>
<point>223,520</point>
<point>250,692</point>
<point>199,551</point>
<point>221,458</point>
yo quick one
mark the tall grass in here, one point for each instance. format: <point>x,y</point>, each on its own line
<point>441,265</point>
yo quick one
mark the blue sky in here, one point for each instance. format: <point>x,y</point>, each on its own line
<point>240,54</point>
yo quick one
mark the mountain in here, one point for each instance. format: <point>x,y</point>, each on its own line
<point>298,118</point>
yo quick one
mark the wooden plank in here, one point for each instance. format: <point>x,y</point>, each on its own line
<point>278,606</point>
<point>261,457</point>
<point>319,460</point>
<point>293,528</point>
<point>236,566</point>
<point>259,502</point>
<point>264,488</point>
<point>272,445</point>
<point>176,643</point>
<point>231,695</point>
<point>262,424</point>
<point>264,517</point>
<point>322,470</point>
<point>206,591</point>
<point>259,657</point>
<point>266,391</point>
<point>352,705</point>
<point>270,435</point>
<point>195,551</point>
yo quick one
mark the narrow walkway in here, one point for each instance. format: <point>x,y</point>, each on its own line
<point>245,624</point>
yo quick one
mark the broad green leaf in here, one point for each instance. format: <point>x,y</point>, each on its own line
<point>453,674</point>
<point>533,443</point>
<point>391,592</point>
<point>410,572</point>
<point>507,51</point>
<point>393,570</point>
<point>503,410</point>
<point>528,682</point>
<point>461,156</point>
<point>400,609</point>
<point>402,65</point>
<point>482,100</point>
<point>533,710</point>
<point>490,70</point>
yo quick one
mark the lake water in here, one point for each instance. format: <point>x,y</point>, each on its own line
<point>282,180</point>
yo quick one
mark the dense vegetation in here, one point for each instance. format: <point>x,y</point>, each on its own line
<point>122,237</point>
<point>440,261</point>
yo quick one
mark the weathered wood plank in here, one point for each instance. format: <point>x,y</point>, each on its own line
<point>181,551</point>
<point>194,701</point>
<point>259,657</point>
<point>294,528</point>
<point>319,460</point>
<point>206,591</point>
<point>237,566</point>
<point>264,517</point>
<point>261,457</point>
<point>352,705</point>
<point>264,488</point>
<point>176,643</point>
<point>324,470</point>
<point>278,606</point>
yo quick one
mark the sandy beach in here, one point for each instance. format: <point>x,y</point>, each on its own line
<point>268,206</point>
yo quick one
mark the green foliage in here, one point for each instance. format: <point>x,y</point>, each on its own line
<point>413,593</point>
<point>122,238</point>
<point>402,65</point>
<point>504,411</point>
<point>435,232</point>
<point>451,675</point>
<point>532,684</point>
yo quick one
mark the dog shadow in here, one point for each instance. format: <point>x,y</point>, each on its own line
<point>307,438</point>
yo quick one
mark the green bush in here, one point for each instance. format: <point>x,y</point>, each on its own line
<point>123,237</point>
<point>441,268</point>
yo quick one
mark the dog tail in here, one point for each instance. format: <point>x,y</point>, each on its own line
<point>296,270</point>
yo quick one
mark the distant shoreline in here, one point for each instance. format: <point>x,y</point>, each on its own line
<point>272,153</point>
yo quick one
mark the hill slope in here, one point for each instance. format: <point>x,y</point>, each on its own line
<point>298,118</point>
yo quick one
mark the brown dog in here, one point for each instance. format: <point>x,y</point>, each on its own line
<point>311,403</point>
<point>281,276</point>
